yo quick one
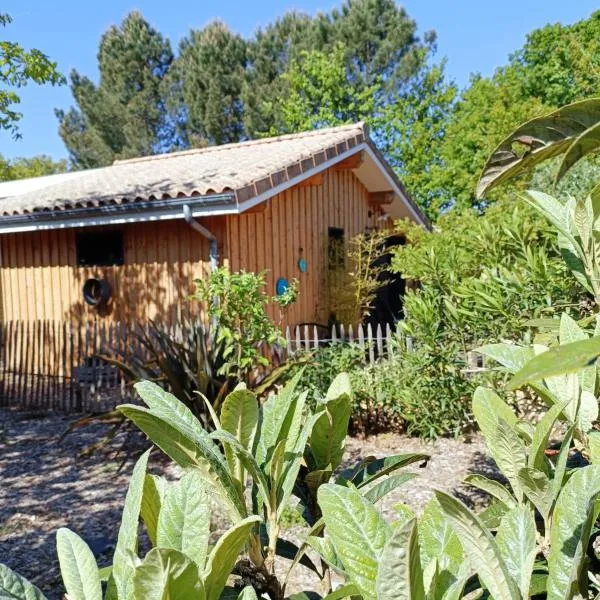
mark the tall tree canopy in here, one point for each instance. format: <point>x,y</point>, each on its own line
<point>124,115</point>
<point>210,69</point>
<point>558,64</point>
<point>18,67</point>
<point>363,60</point>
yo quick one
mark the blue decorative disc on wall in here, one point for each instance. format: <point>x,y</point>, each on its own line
<point>281,286</point>
<point>302,265</point>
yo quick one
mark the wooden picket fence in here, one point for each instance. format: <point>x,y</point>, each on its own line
<point>375,341</point>
<point>56,365</point>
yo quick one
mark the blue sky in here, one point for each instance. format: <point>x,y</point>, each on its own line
<point>475,36</point>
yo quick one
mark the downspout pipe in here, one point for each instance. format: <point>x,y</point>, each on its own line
<point>213,248</point>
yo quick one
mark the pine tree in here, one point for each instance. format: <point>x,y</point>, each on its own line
<point>124,115</point>
<point>210,73</point>
<point>270,54</point>
<point>380,41</point>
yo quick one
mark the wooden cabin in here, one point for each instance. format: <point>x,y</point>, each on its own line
<point>148,227</point>
<point>123,244</point>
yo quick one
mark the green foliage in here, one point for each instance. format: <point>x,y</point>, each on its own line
<point>538,140</point>
<point>320,95</point>
<point>284,448</point>
<point>422,391</point>
<point>125,115</point>
<point>504,264</point>
<point>238,303</point>
<point>22,168</point>
<point>209,73</point>
<point>413,126</point>
<point>559,78</point>
<point>18,68</point>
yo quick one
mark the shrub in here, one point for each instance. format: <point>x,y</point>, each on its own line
<point>320,366</point>
<point>422,391</point>
<point>237,303</point>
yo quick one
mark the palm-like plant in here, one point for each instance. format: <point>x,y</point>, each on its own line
<point>572,132</point>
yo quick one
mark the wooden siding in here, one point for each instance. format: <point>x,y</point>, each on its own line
<point>40,280</point>
<point>271,240</point>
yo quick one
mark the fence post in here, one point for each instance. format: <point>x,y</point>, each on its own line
<point>361,337</point>
<point>388,341</point>
<point>288,342</point>
<point>379,334</point>
<point>370,342</point>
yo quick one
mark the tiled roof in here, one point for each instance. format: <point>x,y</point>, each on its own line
<point>246,169</point>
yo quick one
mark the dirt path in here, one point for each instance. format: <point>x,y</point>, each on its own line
<point>45,485</point>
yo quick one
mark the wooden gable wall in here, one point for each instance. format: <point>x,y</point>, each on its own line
<point>270,237</point>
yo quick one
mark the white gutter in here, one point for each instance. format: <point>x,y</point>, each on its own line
<point>124,218</point>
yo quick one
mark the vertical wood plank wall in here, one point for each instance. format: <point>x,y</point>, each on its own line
<point>40,279</point>
<point>299,218</point>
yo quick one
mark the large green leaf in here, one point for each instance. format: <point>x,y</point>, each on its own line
<point>370,471</point>
<point>247,460</point>
<point>438,542</point>
<point>77,566</point>
<point>492,487</point>
<point>167,406</point>
<point>385,486</point>
<point>189,450</point>
<point>510,356</point>
<point>546,137</point>
<point>248,593</point>
<point>509,453</point>
<point>558,361</point>
<point>573,517</point>
<point>15,587</point>
<point>276,419</point>
<point>184,520</point>
<point>292,464</point>
<point>537,488</point>
<point>152,499</point>
<point>166,574</point>
<point>400,576</point>
<point>357,531</point>
<point>488,409</point>
<point>224,556</point>
<point>480,548</point>
<point>239,417</point>
<point>586,143</point>
<point>541,434</point>
<point>516,542</point>
<point>127,540</point>
<point>346,591</point>
<point>339,387</point>
<point>330,431</point>
<point>560,468</point>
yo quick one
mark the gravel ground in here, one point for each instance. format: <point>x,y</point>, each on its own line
<point>46,485</point>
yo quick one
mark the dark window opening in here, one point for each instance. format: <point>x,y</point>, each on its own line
<point>336,248</point>
<point>99,248</point>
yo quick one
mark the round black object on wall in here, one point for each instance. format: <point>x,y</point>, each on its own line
<point>96,292</point>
